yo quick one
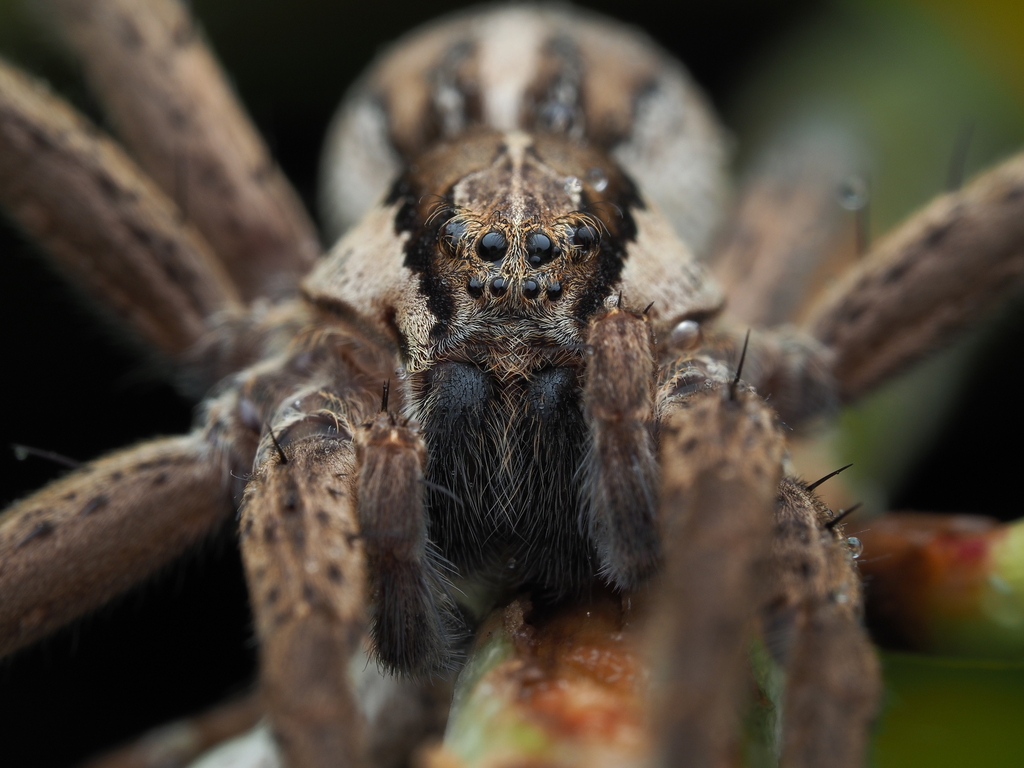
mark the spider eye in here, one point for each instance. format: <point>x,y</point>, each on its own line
<point>449,235</point>
<point>492,246</point>
<point>539,249</point>
<point>454,230</point>
<point>475,287</point>
<point>585,236</point>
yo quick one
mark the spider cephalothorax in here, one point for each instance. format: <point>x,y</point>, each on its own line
<point>526,195</point>
<point>509,245</point>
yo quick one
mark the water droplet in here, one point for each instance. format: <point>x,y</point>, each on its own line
<point>685,334</point>
<point>856,546</point>
<point>511,564</point>
<point>853,193</point>
<point>573,186</point>
<point>598,179</point>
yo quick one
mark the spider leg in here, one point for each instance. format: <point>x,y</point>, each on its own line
<point>171,103</point>
<point>935,275</point>
<point>925,281</point>
<point>813,627</point>
<point>410,622</point>
<point>304,563</point>
<point>107,226</point>
<point>91,535</point>
<point>622,467</point>
<point>181,742</point>
<point>334,513</point>
<point>721,455</point>
<point>788,232</point>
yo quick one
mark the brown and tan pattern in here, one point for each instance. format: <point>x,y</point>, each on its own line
<point>512,375</point>
<point>164,91</point>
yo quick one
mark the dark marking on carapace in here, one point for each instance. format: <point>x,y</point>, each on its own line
<point>421,250</point>
<point>557,96</point>
<point>450,76</point>
<point>617,214</point>
<point>94,504</point>
<point>39,530</point>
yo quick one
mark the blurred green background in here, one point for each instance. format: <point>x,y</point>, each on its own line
<point>908,78</point>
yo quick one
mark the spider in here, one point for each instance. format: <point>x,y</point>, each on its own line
<point>524,413</point>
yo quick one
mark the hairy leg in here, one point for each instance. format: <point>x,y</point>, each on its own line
<point>622,468</point>
<point>304,564</point>
<point>103,221</point>
<point>91,535</point>
<point>163,89</point>
<point>933,276</point>
<point>788,368</point>
<point>721,452</point>
<point>813,627</point>
<point>411,622</point>
<point>788,234</point>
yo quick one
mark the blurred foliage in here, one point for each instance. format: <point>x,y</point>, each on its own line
<point>942,712</point>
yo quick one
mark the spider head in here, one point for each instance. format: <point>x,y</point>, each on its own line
<point>521,227</point>
<point>498,251</point>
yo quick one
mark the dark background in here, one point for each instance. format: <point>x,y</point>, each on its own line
<point>74,385</point>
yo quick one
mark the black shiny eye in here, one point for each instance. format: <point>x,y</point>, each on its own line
<point>454,230</point>
<point>499,285</point>
<point>530,289</point>
<point>585,236</point>
<point>492,246</point>
<point>449,234</point>
<point>475,287</point>
<point>555,291</point>
<point>539,248</point>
